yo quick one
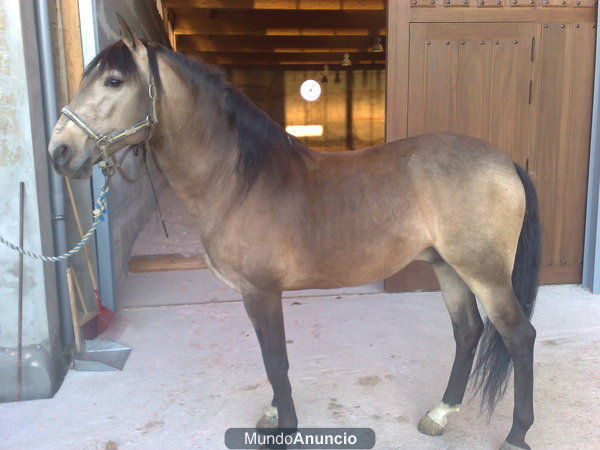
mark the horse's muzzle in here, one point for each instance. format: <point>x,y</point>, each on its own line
<point>62,155</point>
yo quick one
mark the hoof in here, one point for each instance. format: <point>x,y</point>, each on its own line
<point>507,446</point>
<point>429,427</point>
<point>269,419</point>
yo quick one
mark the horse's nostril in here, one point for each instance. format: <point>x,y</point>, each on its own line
<point>61,154</point>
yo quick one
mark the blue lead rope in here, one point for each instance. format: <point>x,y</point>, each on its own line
<point>99,212</point>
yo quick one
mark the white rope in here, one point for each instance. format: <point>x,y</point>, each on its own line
<point>99,211</point>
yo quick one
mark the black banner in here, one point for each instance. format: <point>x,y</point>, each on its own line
<point>302,438</point>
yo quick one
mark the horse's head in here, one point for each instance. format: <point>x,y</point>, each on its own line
<point>113,108</point>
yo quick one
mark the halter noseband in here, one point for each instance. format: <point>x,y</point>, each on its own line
<point>103,141</point>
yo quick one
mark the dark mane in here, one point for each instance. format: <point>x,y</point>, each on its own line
<point>261,144</point>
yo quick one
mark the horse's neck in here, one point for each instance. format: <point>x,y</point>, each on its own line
<point>196,158</point>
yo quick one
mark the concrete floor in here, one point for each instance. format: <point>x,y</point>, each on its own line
<point>364,359</point>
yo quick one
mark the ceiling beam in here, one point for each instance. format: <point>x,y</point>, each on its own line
<point>310,23</point>
<point>301,5</point>
<point>317,67</point>
<point>229,30</point>
<point>304,67</point>
<point>285,58</point>
<point>273,44</point>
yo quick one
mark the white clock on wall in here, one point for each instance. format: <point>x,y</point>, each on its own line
<point>310,90</point>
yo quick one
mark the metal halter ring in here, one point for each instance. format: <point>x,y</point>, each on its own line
<point>107,168</point>
<point>152,90</point>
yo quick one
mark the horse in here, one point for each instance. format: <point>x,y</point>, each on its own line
<point>275,215</point>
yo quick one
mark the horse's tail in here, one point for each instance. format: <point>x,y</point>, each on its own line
<point>493,360</point>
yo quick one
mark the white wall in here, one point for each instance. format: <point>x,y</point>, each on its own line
<point>23,158</point>
<point>17,164</point>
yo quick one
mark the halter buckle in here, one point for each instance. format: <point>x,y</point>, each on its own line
<point>103,143</point>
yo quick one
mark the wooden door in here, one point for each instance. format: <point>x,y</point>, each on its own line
<point>562,97</point>
<point>472,78</point>
<point>519,75</point>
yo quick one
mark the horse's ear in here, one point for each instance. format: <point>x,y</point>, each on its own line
<point>127,36</point>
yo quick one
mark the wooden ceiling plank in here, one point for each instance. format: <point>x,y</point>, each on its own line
<point>283,44</point>
<point>194,21</point>
<point>284,58</point>
<point>302,5</point>
<point>230,30</point>
<point>318,66</point>
<point>333,65</point>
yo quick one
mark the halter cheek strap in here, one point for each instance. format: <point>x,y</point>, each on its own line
<point>103,141</point>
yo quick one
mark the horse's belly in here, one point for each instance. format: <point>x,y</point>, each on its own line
<point>353,267</point>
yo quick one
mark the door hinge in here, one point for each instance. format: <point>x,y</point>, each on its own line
<point>530,90</point>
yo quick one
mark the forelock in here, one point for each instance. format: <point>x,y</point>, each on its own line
<point>114,57</point>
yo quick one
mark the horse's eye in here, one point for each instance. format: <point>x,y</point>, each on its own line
<point>113,82</point>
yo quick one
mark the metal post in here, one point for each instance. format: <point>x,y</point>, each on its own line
<point>591,249</point>
<point>20,293</point>
<point>57,194</point>
<point>104,253</point>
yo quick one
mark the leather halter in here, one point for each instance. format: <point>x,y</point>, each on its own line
<point>103,141</point>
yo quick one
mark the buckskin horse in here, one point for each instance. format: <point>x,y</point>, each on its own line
<point>274,215</point>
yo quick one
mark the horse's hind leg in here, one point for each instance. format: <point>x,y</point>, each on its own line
<point>518,335</point>
<point>467,326</point>
<point>265,312</point>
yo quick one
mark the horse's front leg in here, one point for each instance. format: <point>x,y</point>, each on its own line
<point>265,311</point>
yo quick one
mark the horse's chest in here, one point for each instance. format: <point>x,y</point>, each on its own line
<point>220,274</point>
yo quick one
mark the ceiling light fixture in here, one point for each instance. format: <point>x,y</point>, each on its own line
<point>377,46</point>
<point>324,78</point>
<point>346,61</point>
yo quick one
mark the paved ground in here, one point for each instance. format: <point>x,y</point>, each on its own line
<point>370,360</point>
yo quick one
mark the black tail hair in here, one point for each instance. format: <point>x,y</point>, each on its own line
<point>493,360</point>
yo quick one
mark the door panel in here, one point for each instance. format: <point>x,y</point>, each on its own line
<point>565,93</point>
<point>580,112</point>
<point>550,150</point>
<point>471,78</point>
